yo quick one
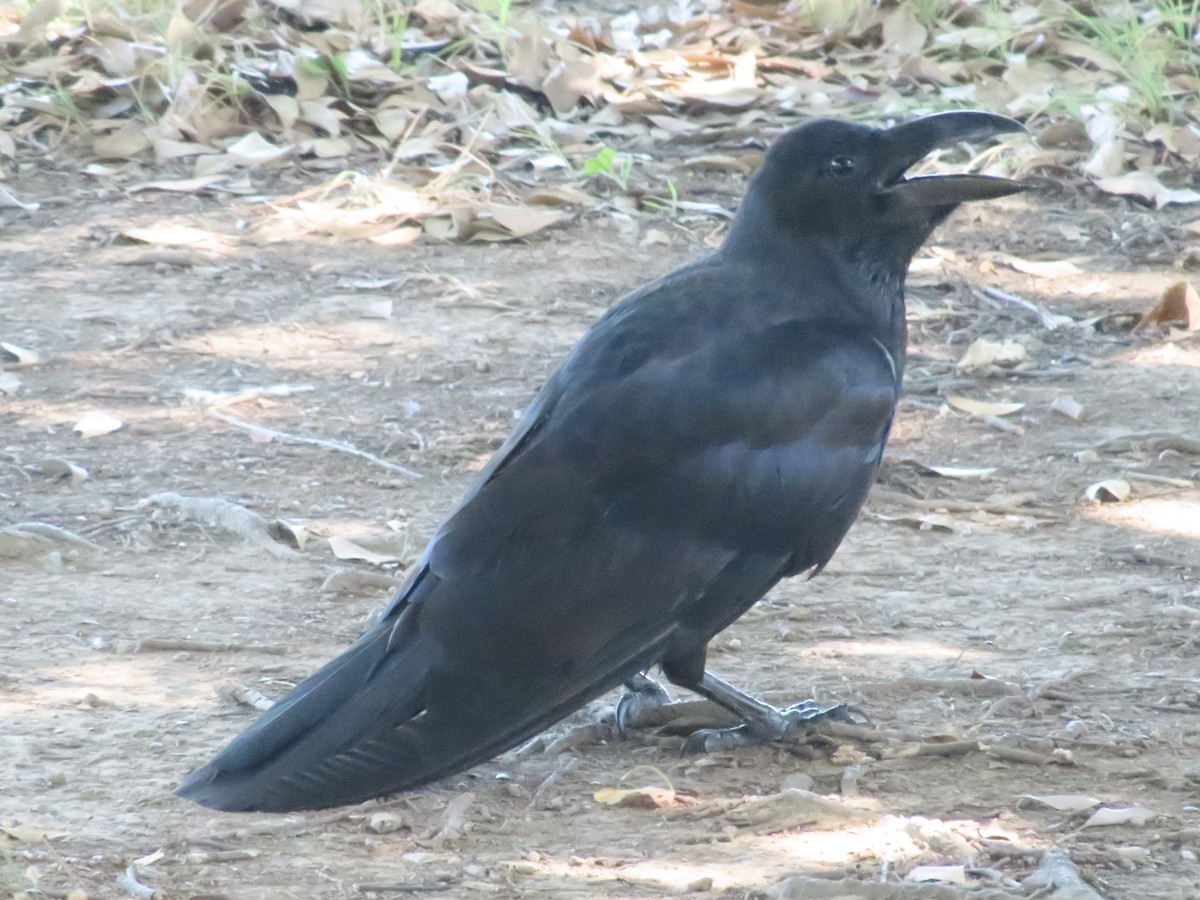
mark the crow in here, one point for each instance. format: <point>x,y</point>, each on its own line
<point>714,432</point>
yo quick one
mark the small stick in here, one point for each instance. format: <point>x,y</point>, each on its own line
<point>128,881</point>
<point>327,443</point>
<point>205,646</point>
<point>582,736</point>
<point>942,748</point>
<point>978,687</point>
<point>1058,875</point>
<point>211,856</point>
<point>400,887</point>
<point>1016,505</point>
<point>1014,754</point>
<point>1049,320</point>
<point>1161,479</point>
<point>865,733</point>
<point>1005,850</point>
<point>1153,441</point>
<point>245,696</point>
<point>280,826</point>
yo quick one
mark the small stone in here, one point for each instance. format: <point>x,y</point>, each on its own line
<point>704,883</point>
<point>798,781</point>
<point>385,823</point>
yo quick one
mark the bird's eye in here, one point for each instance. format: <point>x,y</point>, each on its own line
<point>841,166</point>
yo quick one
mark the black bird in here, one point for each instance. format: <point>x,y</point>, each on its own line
<point>714,432</point>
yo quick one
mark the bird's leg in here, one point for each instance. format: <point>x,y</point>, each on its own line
<point>763,723</point>
<point>641,692</point>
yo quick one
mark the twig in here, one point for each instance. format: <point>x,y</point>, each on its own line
<point>1005,850</point>
<point>978,687</point>
<point>128,881</point>
<point>865,733</point>
<point>245,696</point>
<point>1049,320</point>
<point>935,748</point>
<point>327,443</point>
<point>1160,479</point>
<point>401,887</point>
<point>1058,874</point>
<point>222,514</point>
<point>279,826</point>
<point>49,532</point>
<point>1015,754</point>
<point>205,646</point>
<point>1152,441</point>
<point>1010,505</point>
<point>198,857</point>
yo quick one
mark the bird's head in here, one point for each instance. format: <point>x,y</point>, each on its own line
<point>847,181</point>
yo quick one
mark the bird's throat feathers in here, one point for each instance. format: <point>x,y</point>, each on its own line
<point>863,269</point>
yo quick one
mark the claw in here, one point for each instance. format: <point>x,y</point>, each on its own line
<point>641,693</point>
<point>719,740</point>
<point>800,718</point>
<point>795,722</point>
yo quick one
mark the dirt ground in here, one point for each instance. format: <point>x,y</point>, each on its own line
<point>1045,643</point>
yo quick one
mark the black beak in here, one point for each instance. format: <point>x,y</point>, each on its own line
<point>908,143</point>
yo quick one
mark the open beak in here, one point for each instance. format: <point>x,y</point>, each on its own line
<point>908,143</point>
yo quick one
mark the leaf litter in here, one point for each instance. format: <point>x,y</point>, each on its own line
<point>474,107</point>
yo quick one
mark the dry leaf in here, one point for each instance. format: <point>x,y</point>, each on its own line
<point>902,32</point>
<point>1112,490</point>
<point>1107,815</point>
<point>1145,185</point>
<point>13,356</point>
<point>343,548</point>
<point>255,150</point>
<point>294,534</point>
<point>397,237</point>
<point>385,822</point>
<point>1065,802</point>
<point>94,424</point>
<point>1067,406</point>
<point>172,235</point>
<point>32,833</point>
<point>123,143</point>
<point>1056,268</point>
<point>180,185</point>
<point>8,201</point>
<point>941,874</point>
<point>1179,305</point>
<point>520,221</point>
<point>61,469</point>
<point>561,195</point>
<point>960,472</point>
<point>637,798</point>
<point>983,352</point>
<point>35,20</point>
<point>983,407</point>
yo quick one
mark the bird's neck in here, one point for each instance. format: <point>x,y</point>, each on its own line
<point>855,278</point>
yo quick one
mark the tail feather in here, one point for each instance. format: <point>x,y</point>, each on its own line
<point>374,722</point>
<point>331,741</point>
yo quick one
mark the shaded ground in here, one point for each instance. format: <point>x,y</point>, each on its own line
<point>1089,612</point>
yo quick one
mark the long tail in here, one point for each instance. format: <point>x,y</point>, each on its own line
<point>349,732</point>
<point>376,721</point>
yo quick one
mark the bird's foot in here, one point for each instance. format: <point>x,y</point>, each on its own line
<point>641,693</point>
<point>794,722</point>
